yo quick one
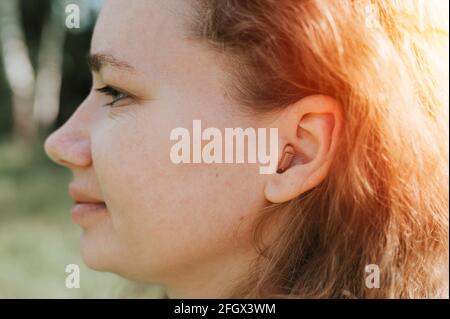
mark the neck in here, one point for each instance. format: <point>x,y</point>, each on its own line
<point>215,279</point>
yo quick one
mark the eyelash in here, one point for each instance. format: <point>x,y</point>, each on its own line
<point>114,93</point>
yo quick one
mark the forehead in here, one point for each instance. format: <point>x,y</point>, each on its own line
<point>140,30</point>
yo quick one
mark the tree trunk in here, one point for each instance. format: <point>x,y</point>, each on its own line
<point>18,68</point>
<point>49,74</point>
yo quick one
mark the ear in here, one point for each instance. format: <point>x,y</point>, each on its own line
<point>312,126</point>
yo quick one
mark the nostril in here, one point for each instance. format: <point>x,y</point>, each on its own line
<point>68,150</point>
<point>57,149</point>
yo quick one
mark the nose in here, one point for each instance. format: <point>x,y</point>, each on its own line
<point>70,145</point>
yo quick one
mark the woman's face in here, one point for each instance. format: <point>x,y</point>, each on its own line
<point>163,220</point>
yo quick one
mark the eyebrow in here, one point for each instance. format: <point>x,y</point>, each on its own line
<point>97,61</point>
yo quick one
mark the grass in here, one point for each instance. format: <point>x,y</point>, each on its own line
<point>37,238</point>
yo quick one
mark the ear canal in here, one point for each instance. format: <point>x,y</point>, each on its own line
<point>286,158</point>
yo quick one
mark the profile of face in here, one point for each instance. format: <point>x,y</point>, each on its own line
<point>180,225</point>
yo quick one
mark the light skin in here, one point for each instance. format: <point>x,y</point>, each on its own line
<point>187,227</point>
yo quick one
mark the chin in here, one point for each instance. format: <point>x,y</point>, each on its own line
<point>96,252</point>
<point>101,254</point>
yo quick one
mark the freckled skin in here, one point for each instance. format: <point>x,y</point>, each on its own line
<point>186,226</point>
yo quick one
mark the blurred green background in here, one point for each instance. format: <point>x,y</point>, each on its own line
<point>43,78</point>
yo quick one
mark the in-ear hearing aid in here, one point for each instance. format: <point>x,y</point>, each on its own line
<point>286,158</point>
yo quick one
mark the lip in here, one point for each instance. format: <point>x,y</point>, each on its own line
<point>87,208</point>
<point>86,213</point>
<point>82,196</point>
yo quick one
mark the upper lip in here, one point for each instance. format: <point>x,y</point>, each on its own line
<point>81,196</point>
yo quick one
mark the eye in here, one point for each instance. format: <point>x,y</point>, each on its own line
<point>115,94</point>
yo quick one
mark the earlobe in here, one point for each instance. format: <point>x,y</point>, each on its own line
<point>311,129</point>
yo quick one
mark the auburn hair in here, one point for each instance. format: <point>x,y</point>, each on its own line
<point>385,200</point>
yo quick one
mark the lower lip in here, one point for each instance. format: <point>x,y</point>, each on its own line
<point>82,212</point>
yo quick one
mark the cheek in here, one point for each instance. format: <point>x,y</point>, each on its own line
<point>128,161</point>
<point>159,208</point>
